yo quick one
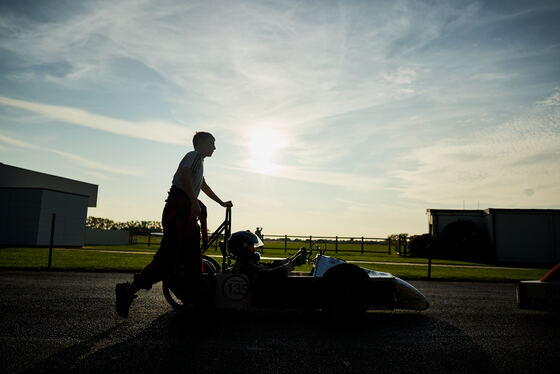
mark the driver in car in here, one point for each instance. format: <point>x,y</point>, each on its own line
<point>244,245</point>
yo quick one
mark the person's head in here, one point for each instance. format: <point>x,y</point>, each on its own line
<point>244,245</point>
<point>203,142</point>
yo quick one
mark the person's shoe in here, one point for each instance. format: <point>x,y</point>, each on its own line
<point>123,299</point>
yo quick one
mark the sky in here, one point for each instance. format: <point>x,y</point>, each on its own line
<point>346,118</point>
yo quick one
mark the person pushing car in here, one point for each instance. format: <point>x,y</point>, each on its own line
<point>180,245</point>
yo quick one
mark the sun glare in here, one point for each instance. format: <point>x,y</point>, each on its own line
<point>263,146</point>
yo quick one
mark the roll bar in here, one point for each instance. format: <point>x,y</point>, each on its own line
<point>224,228</point>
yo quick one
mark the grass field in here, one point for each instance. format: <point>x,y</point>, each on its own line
<point>135,257</point>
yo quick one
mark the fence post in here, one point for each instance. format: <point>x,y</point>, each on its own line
<point>430,267</point>
<point>336,244</point>
<point>52,239</point>
<point>405,246</point>
<point>389,251</point>
<point>285,243</point>
<point>149,238</point>
<point>362,245</point>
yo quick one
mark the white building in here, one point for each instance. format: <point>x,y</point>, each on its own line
<point>28,200</point>
<point>530,236</point>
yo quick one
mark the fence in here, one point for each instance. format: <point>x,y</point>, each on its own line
<point>330,244</point>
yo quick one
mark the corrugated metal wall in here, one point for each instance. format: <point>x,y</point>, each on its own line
<point>26,217</point>
<point>527,237</point>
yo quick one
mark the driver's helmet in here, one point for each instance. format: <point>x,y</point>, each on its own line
<point>244,244</point>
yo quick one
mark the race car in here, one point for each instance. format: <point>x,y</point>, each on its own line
<point>332,285</point>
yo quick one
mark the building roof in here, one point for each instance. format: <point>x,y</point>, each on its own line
<point>476,211</point>
<point>534,211</point>
<point>14,177</point>
<point>493,211</point>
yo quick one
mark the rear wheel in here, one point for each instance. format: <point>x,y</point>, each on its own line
<point>173,294</point>
<point>346,291</point>
<point>174,289</point>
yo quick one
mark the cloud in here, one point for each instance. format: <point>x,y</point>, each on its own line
<point>313,175</point>
<point>551,101</point>
<point>297,62</point>
<point>17,143</point>
<point>159,131</point>
<point>98,165</point>
<point>514,164</point>
<point>93,166</point>
<point>402,76</point>
<point>529,191</point>
<point>238,66</point>
<point>304,69</point>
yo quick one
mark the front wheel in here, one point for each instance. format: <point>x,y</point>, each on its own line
<point>346,291</point>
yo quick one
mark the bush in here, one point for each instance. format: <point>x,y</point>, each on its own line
<point>463,239</point>
<point>460,240</point>
<point>421,246</point>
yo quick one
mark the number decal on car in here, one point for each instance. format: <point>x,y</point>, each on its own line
<point>235,288</point>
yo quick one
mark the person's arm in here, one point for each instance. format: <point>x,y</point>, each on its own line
<point>268,270</point>
<point>208,191</point>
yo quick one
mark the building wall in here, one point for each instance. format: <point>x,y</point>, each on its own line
<point>26,217</point>
<point>70,223</point>
<point>528,237</point>
<point>525,236</point>
<point>19,216</point>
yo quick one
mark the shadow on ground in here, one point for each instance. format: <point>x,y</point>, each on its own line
<point>276,342</point>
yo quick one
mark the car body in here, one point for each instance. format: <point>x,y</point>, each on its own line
<point>333,285</point>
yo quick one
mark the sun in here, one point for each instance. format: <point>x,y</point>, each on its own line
<point>264,145</point>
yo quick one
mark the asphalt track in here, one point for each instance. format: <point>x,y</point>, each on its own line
<point>65,322</point>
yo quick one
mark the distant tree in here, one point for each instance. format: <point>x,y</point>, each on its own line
<point>403,239</point>
<point>143,226</point>
<point>401,236</point>
<point>134,226</point>
<point>100,223</point>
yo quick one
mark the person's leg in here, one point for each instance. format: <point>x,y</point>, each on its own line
<point>156,270</point>
<point>162,263</point>
<point>151,274</point>
<point>192,263</point>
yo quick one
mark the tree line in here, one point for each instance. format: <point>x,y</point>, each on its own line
<point>132,226</point>
<point>155,226</point>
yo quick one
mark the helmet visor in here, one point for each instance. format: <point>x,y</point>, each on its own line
<point>259,243</point>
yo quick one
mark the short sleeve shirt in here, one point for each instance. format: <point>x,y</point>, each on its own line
<point>195,162</point>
